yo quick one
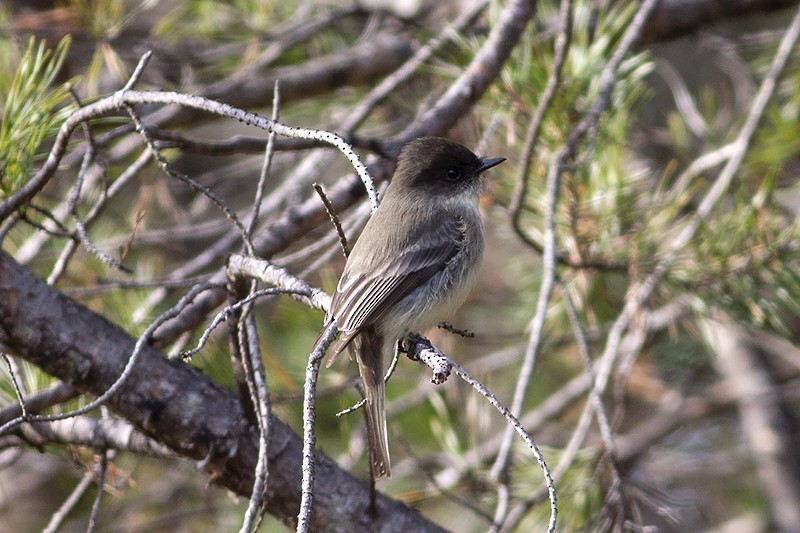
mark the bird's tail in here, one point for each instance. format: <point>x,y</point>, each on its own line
<point>367,347</point>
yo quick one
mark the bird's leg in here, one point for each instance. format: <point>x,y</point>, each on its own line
<point>413,344</point>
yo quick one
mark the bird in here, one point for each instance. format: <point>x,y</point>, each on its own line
<point>413,264</point>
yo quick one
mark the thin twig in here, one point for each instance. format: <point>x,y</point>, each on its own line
<point>267,162</point>
<point>61,514</point>
<point>122,180</point>
<point>60,231</point>
<point>309,434</point>
<point>334,219</point>
<point>248,338</point>
<point>422,350</point>
<point>596,400</point>
<point>180,176</point>
<point>515,423</point>
<point>40,400</point>
<point>15,383</point>
<point>81,231</point>
<point>226,313</point>
<point>138,71</point>
<point>102,470</point>
<point>358,218</point>
<point>563,38</point>
<point>455,331</point>
<point>322,247</point>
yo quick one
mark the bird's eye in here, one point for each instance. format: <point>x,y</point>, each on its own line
<point>453,174</point>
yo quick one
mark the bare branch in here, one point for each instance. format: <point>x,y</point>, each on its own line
<point>266,272</point>
<point>77,493</point>
<point>38,401</point>
<point>309,433</point>
<point>763,419</point>
<point>477,77</point>
<point>334,219</point>
<point>425,352</point>
<point>98,433</point>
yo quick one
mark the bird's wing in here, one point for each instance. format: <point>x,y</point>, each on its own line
<point>362,298</point>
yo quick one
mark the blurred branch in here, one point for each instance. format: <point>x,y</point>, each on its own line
<point>639,294</point>
<point>98,433</point>
<point>770,434</point>
<point>476,78</point>
<point>674,18</point>
<point>77,493</point>
<point>40,400</point>
<point>676,411</point>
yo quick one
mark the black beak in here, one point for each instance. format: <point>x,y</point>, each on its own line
<point>488,163</point>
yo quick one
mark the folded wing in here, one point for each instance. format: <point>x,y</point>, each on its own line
<point>362,298</point>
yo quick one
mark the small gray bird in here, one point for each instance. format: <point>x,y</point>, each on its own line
<point>413,265</point>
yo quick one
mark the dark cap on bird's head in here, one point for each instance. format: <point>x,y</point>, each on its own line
<point>436,163</point>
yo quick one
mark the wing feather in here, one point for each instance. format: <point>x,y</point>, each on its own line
<point>362,298</point>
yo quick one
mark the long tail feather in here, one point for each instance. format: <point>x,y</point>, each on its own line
<point>367,347</point>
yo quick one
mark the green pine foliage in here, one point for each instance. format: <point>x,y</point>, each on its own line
<point>32,111</point>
